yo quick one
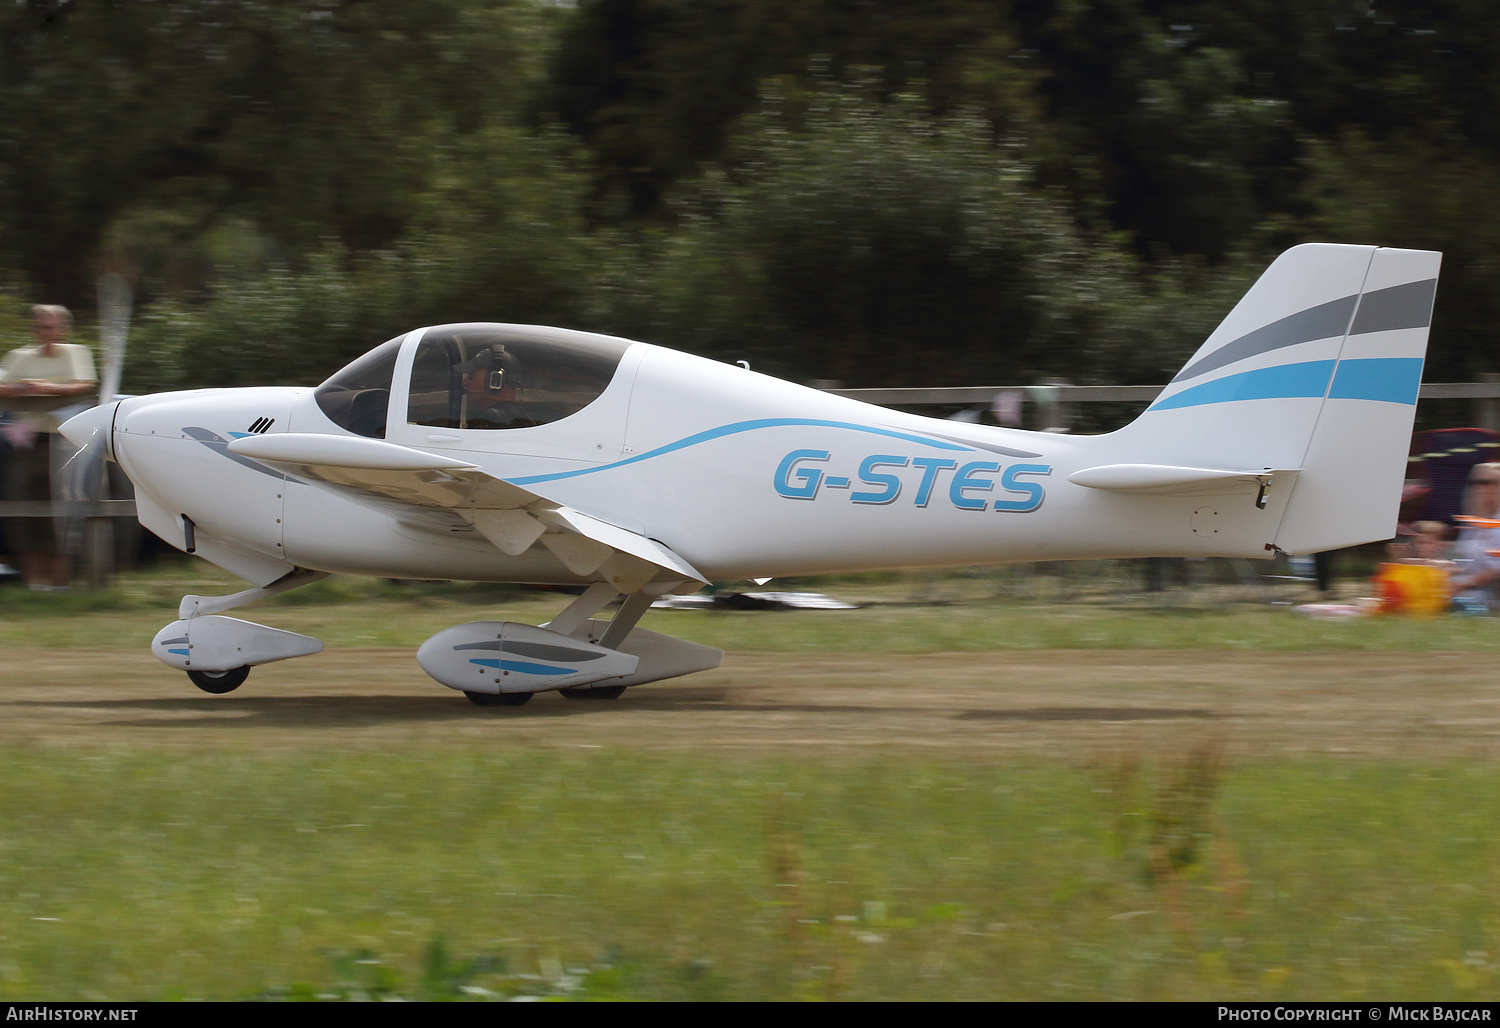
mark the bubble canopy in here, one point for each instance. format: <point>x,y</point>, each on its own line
<point>476,376</point>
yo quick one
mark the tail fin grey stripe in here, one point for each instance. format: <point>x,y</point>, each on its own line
<point>1321,322</point>
<point>1404,306</point>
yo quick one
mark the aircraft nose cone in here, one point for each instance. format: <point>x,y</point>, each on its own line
<point>92,428</point>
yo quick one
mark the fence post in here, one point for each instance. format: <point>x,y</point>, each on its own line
<point>98,546</point>
<point>1056,413</point>
<point>1487,409</point>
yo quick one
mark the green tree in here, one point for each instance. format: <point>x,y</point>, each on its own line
<point>656,87</point>
<point>497,235</point>
<point>1408,193</point>
<point>874,244</point>
<point>308,120</point>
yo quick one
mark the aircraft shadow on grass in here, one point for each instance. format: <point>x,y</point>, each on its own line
<point>360,711</point>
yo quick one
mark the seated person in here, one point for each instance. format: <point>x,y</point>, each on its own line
<point>491,391</point>
<point>1429,545</point>
<point>1420,582</point>
<point>1415,578</point>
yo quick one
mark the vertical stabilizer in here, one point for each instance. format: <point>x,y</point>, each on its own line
<point>1314,374</point>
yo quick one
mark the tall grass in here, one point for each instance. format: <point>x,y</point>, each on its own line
<point>467,873</point>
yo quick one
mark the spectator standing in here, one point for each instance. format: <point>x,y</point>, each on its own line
<point>52,370</point>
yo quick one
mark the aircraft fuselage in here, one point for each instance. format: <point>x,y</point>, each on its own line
<point>741,474</point>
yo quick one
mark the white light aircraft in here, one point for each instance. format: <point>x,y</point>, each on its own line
<point>514,453</point>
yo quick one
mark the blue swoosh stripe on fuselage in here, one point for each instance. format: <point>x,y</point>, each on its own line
<point>1384,379</point>
<point>736,429</point>
<point>522,666</point>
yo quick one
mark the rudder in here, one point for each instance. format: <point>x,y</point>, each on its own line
<point>1349,491</point>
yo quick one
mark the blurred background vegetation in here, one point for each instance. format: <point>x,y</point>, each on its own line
<point>922,192</point>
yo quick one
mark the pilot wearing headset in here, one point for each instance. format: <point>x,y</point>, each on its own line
<point>490,388</point>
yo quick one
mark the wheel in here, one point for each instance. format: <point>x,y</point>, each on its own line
<point>501,699</point>
<point>609,692</point>
<point>219,682</point>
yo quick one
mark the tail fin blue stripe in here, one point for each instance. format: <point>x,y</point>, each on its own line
<point>1306,379</point>
<point>1386,379</point>
<point>1391,379</point>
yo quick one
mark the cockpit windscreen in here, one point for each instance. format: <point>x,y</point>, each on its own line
<point>357,397</point>
<point>500,376</point>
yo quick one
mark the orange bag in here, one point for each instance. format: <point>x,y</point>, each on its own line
<point>1416,589</point>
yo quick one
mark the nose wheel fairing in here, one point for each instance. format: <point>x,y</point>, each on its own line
<point>213,643</point>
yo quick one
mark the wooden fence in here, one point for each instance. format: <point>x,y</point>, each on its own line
<point>1054,399</point>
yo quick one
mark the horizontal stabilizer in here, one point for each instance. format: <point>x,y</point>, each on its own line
<point>1163,479</point>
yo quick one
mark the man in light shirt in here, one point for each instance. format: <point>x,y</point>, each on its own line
<point>1474,584</point>
<point>34,382</point>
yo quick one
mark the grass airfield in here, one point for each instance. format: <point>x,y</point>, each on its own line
<point>998,798</point>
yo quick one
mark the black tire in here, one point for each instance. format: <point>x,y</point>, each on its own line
<point>609,692</point>
<point>219,682</point>
<point>500,699</point>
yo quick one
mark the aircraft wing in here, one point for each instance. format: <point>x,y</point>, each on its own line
<point>426,490</point>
